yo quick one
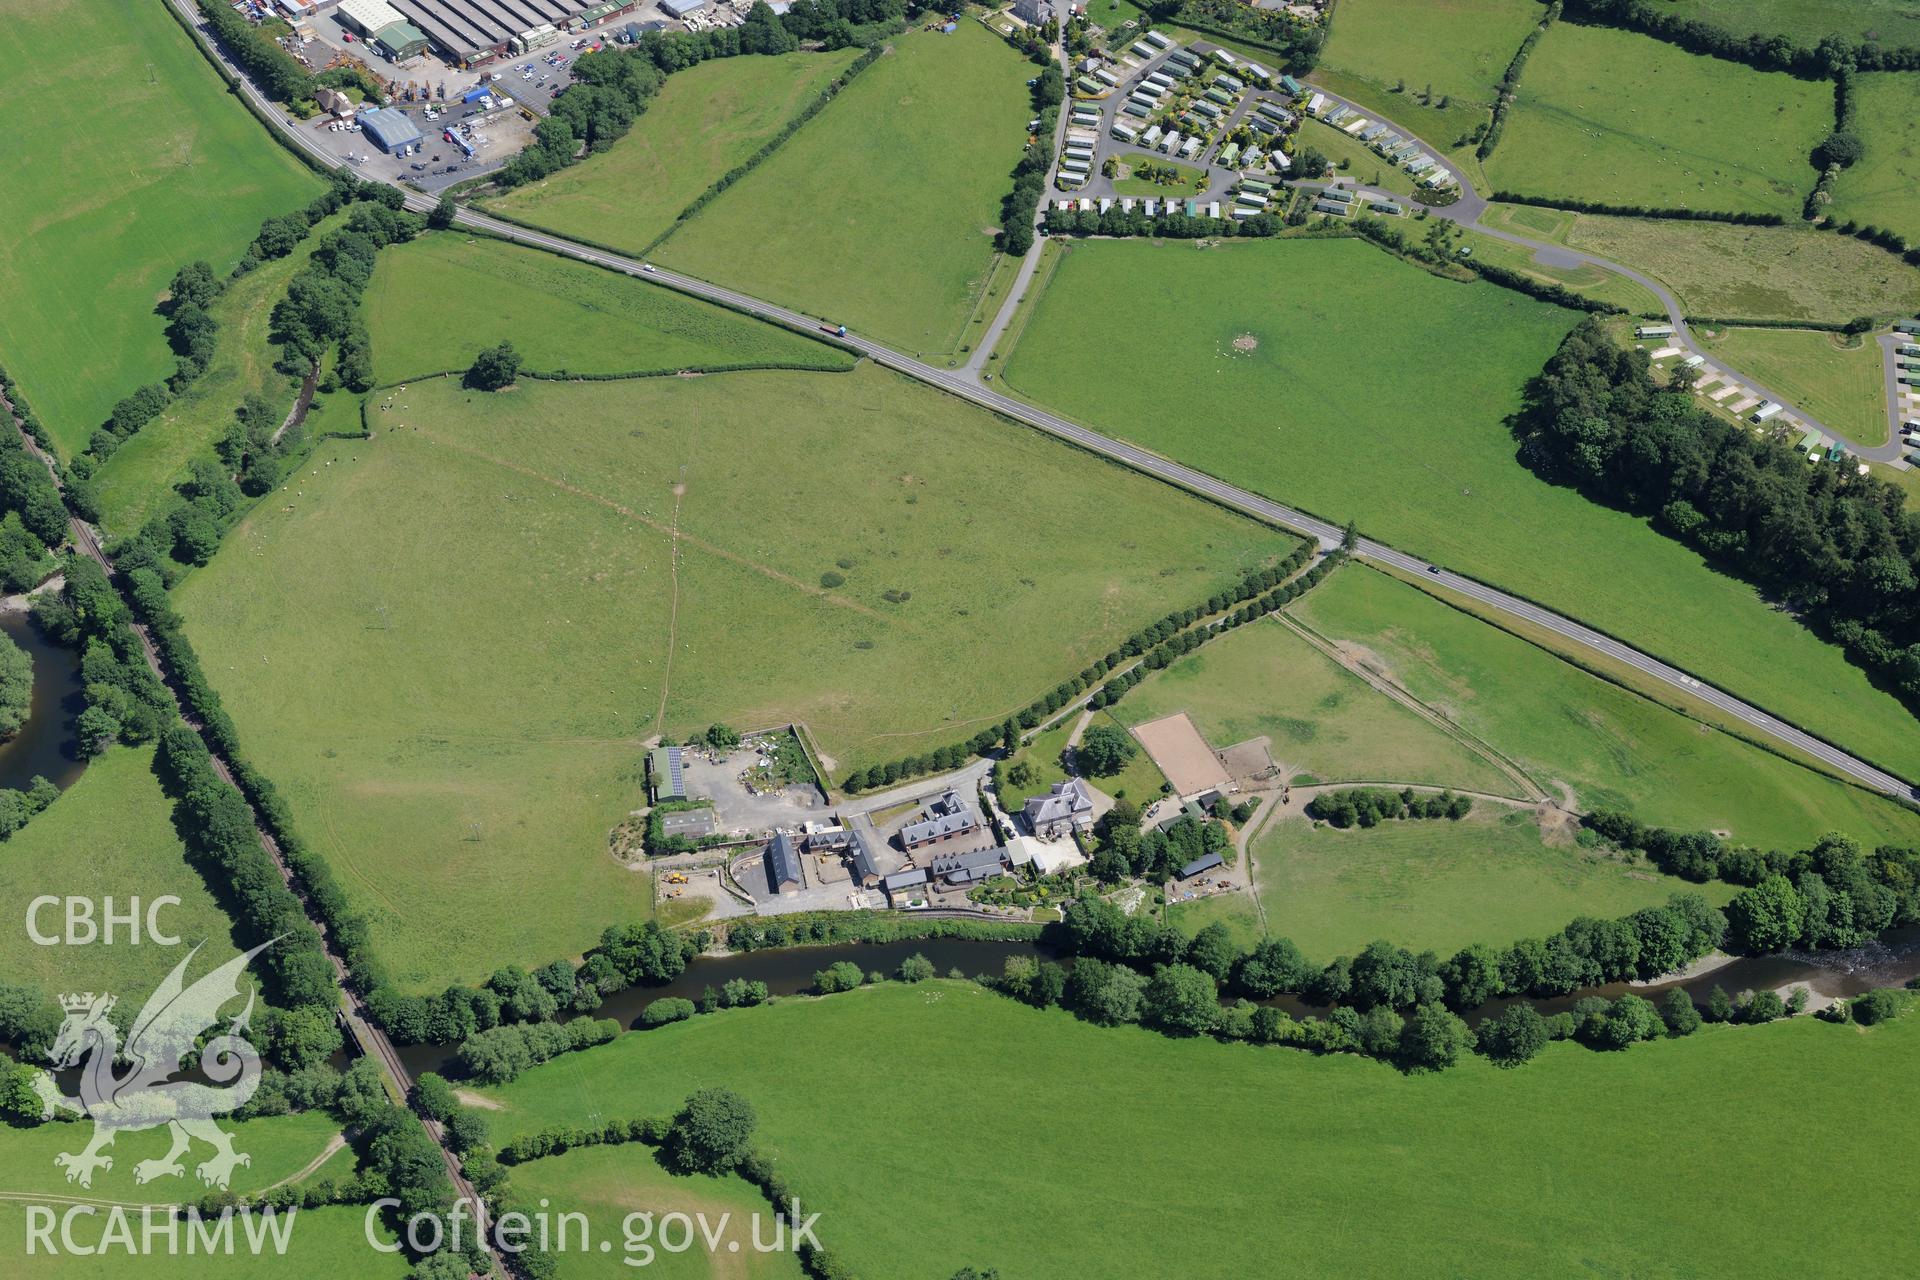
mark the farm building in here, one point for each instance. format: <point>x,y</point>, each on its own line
<point>947,818</point>
<point>666,774</point>
<point>689,824</point>
<point>783,864</point>
<point>1198,865</point>
<point>1067,808</point>
<point>967,868</point>
<point>391,131</point>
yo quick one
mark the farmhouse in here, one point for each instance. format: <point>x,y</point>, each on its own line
<point>783,864</point>
<point>947,818</point>
<point>1063,810</point>
<point>1035,13</point>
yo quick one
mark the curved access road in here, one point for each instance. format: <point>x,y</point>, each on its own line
<point>1471,206</point>
<point>966,384</point>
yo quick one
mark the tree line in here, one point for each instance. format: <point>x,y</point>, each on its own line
<point>1007,735</point>
<point>271,67</point>
<point>1510,82</point>
<point>1022,204</point>
<point>1839,547</point>
<point>1761,51</point>
<point>33,519</point>
<point>1641,210</point>
<point>1117,222</point>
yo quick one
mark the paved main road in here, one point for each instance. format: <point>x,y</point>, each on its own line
<point>966,384</point>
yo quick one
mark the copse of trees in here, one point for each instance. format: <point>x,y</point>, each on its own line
<point>1837,546</point>
<point>1369,806</point>
<point>498,1054</point>
<point>495,368</point>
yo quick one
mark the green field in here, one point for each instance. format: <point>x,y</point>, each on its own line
<point>609,1184</point>
<point>111,833</point>
<point>1266,681</point>
<point>436,302</point>
<point>1378,392</point>
<point>1192,182</point>
<point>1234,911</point>
<point>323,1242</point>
<point>281,1146</point>
<point>128,161</point>
<point>1362,164</point>
<point>1843,386</point>
<point>708,119</point>
<point>1593,282</point>
<point>1569,729</point>
<point>476,694</point>
<point>1880,190</point>
<point>1894,23</point>
<point>932,132</point>
<point>1753,273</point>
<point>144,469</point>
<point>1439,885</point>
<point>1459,48</point>
<point>1622,118</point>
<point>1378,1170</point>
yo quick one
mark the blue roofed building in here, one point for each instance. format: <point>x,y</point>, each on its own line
<point>391,131</point>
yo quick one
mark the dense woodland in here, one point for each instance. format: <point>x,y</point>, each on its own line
<point>1838,546</point>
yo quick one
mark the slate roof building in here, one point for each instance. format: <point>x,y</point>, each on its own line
<point>947,818</point>
<point>783,864</point>
<point>1065,809</point>
<point>967,868</point>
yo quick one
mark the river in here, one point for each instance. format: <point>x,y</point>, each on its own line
<point>45,744</point>
<point>1890,961</point>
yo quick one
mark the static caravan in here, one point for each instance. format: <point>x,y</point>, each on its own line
<point>1257,71</point>
<point>1138,110</point>
<point>1291,85</point>
<point>1189,148</point>
<point>1207,109</point>
<point>1152,136</point>
<point>1159,80</point>
<point>1106,77</point>
<point>1254,198</point>
<point>1224,58</point>
<point>1420,164</point>
<point>1106,203</point>
<point>1229,155</point>
<point>1157,40</point>
<point>1315,105</point>
<point>1439,178</point>
<point>1260,124</point>
<point>1337,195</point>
<point>1087,84</point>
<point>1153,207</point>
<point>1373,132</point>
<point>1078,167</point>
<point>1256,186</point>
<point>1693,362</point>
<point>1171,142</point>
<point>1125,132</point>
<point>1230,84</point>
<point>1653,331</point>
<point>1387,207</point>
<point>1219,96</point>
<point>1340,115</point>
<point>1213,208</point>
<point>1355,127</point>
<point>1141,49</point>
<point>1244,211</point>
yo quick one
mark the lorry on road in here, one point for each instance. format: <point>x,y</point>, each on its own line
<point>837,330</point>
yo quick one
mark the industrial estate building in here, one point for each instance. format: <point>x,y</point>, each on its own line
<point>470,32</point>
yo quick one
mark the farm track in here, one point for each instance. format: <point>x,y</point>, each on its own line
<point>965,384</point>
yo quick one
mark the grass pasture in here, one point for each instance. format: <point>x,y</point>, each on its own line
<point>1842,385</point>
<point>109,193</point>
<point>1439,885</point>
<point>1458,47</point>
<point>1559,1149</point>
<point>109,833</point>
<point>706,120</point>
<point>880,212</point>
<point>1266,681</point>
<point>1612,748</point>
<point>1190,184</point>
<point>435,302</point>
<point>475,696</point>
<point>1883,189</point>
<point>281,1146</point>
<point>322,1242</point>
<point>144,469</point>
<point>1751,273</point>
<point>1626,119</point>
<point>1590,281</point>
<point>610,1184</point>
<point>1894,23</point>
<point>1414,447</point>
